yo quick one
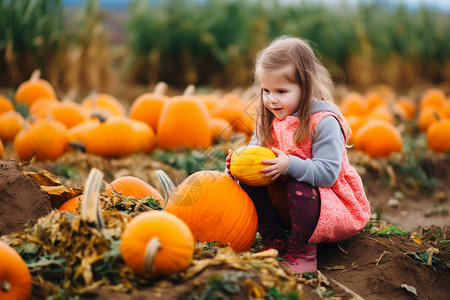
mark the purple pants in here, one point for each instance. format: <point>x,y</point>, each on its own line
<point>304,210</point>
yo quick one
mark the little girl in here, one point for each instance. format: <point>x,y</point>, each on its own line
<point>322,197</point>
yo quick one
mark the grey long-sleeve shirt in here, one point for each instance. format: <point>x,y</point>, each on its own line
<point>328,145</point>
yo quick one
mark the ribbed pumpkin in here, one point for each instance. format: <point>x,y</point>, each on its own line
<point>49,137</point>
<point>5,105</point>
<point>15,278</point>
<point>216,209</point>
<point>232,109</point>
<point>33,89</point>
<point>220,129</point>
<point>11,123</point>
<point>148,106</point>
<point>184,123</point>
<point>156,244</point>
<point>245,164</point>
<point>438,136</point>
<point>103,104</point>
<point>133,186</point>
<point>119,136</point>
<point>69,113</point>
<point>42,107</point>
<point>73,204</point>
<point>378,138</point>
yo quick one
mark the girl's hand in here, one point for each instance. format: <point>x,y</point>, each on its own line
<point>278,165</point>
<point>227,163</point>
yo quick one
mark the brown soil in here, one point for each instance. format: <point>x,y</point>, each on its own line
<point>369,266</point>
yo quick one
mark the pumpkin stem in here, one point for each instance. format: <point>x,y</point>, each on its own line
<point>153,247</point>
<point>437,116</point>
<point>160,88</point>
<point>35,75</point>
<point>189,91</point>
<point>167,185</point>
<point>90,208</point>
<point>6,286</point>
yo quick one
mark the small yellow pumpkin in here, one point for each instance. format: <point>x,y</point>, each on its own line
<point>245,164</point>
<point>156,244</point>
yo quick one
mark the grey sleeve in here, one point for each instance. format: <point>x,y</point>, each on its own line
<point>327,149</point>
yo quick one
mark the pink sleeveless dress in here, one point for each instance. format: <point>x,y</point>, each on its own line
<point>344,206</point>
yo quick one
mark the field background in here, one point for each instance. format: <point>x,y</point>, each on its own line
<point>112,46</point>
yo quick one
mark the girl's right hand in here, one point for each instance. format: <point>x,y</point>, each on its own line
<point>228,162</point>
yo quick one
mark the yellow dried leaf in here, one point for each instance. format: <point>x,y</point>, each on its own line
<point>416,239</point>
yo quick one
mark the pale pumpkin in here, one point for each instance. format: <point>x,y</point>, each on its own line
<point>48,137</point>
<point>15,278</point>
<point>132,186</point>
<point>378,138</point>
<point>245,164</point>
<point>34,88</point>
<point>216,209</point>
<point>156,244</point>
<point>184,123</point>
<point>11,123</point>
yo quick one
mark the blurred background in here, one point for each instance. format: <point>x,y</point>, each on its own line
<point>112,46</point>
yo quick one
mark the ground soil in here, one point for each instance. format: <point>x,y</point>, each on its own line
<point>368,266</point>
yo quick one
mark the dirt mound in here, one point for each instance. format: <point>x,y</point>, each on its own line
<point>21,199</point>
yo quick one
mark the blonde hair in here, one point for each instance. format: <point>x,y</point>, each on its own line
<point>313,78</point>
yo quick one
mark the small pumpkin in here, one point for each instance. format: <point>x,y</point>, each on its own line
<point>216,209</point>
<point>353,104</point>
<point>132,186</point>
<point>42,107</point>
<point>73,205</point>
<point>405,107</point>
<point>245,164</point>
<point>438,136</point>
<point>48,137</point>
<point>433,97</point>
<point>220,129</point>
<point>235,112</point>
<point>11,123</point>
<point>5,105</point>
<point>378,138</point>
<point>429,115</point>
<point>15,278</point>
<point>34,88</point>
<point>80,131</point>
<point>69,113</point>
<point>103,104</point>
<point>184,123</point>
<point>156,244</point>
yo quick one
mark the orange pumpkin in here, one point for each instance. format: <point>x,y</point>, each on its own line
<point>433,97</point>
<point>103,104</point>
<point>133,186</point>
<point>383,112</point>
<point>33,89</point>
<point>5,105</point>
<point>80,131</point>
<point>378,138</point>
<point>2,148</point>
<point>216,209</point>
<point>427,116</point>
<point>231,108</point>
<point>184,123</point>
<point>355,122</point>
<point>73,205</point>
<point>220,128</point>
<point>156,244</point>
<point>42,107</point>
<point>438,136</point>
<point>11,123</point>
<point>15,278</point>
<point>405,107</point>
<point>148,106</point>
<point>69,113</point>
<point>119,136</point>
<point>353,104</point>
<point>49,137</point>
<point>245,164</point>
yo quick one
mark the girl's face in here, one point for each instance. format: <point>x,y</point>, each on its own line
<point>280,95</point>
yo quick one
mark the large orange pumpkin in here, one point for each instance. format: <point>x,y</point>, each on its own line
<point>184,123</point>
<point>245,164</point>
<point>378,138</point>
<point>33,89</point>
<point>216,209</point>
<point>11,123</point>
<point>15,278</point>
<point>48,137</point>
<point>133,186</point>
<point>156,244</point>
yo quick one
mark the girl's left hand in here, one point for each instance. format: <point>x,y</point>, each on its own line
<point>278,165</point>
